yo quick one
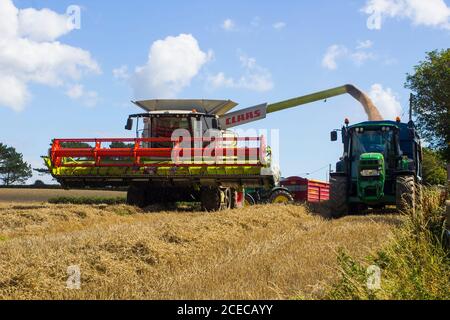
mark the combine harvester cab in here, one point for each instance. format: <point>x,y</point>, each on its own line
<point>180,154</point>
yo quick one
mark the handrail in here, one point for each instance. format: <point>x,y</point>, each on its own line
<point>180,154</point>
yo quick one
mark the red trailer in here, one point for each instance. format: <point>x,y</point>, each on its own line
<point>305,190</point>
<point>292,189</point>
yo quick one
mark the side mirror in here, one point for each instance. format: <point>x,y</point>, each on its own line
<point>129,124</point>
<point>334,136</point>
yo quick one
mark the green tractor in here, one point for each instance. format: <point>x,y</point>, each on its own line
<point>381,166</point>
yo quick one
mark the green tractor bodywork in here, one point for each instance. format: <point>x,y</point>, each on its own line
<point>371,177</point>
<point>380,166</point>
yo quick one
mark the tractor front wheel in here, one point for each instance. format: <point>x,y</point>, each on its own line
<point>338,196</point>
<point>405,196</point>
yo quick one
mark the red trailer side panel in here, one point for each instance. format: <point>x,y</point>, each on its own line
<point>304,190</point>
<point>318,191</point>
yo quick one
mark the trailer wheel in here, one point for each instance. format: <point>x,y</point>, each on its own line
<point>211,199</point>
<point>338,196</point>
<point>136,196</point>
<point>405,195</point>
<point>281,197</point>
<point>249,200</point>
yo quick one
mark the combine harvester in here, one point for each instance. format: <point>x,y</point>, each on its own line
<point>184,152</point>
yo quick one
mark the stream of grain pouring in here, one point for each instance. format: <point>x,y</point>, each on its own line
<point>371,110</point>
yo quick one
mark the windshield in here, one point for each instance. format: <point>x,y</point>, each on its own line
<point>164,127</point>
<point>372,141</point>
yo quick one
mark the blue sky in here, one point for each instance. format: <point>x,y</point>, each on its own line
<point>248,51</point>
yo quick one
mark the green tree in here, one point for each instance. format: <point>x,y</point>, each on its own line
<point>430,84</point>
<point>121,145</point>
<point>75,145</point>
<point>12,167</point>
<point>434,171</point>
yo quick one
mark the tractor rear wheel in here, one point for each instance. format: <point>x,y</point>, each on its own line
<point>281,197</point>
<point>338,196</point>
<point>137,196</point>
<point>405,195</point>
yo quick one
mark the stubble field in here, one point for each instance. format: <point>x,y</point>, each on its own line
<point>261,252</point>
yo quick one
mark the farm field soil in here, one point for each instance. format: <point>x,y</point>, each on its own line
<point>38,195</point>
<point>260,252</point>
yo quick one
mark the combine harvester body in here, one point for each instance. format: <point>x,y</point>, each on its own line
<point>183,152</point>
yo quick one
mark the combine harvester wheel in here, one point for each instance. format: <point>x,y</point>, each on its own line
<point>136,196</point>
<point>217,198</point>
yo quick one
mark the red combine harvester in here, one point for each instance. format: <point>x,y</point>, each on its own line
<point>184,151</point>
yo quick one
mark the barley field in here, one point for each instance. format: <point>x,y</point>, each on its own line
<point>261,252</point>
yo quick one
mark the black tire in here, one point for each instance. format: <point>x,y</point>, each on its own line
<point>210,199</point>
<point>249,200</point>
<point>338,197</point>
<point>136,196</point>
<point>281,197</point>
<point>405,194</point>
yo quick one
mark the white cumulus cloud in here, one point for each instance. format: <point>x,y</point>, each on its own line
<point>333,53</point>
<point>359,57</point>
<point>337,52</point>
<point>386,101</point>
<point>13,92</point>
<point>228,25</point>
<point>77,92</point>
<point>430,13</point>
<point>121,73</point>
<point>43,25</point>
<point>279,25</point>
<point>366,44</point>
<point>172,64</point>
<point>255,77</point>
<point>29,53</point>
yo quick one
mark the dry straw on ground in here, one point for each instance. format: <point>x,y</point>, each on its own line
<point>262,252</point>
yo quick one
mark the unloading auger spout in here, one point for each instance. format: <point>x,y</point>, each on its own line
<point>259,112</point>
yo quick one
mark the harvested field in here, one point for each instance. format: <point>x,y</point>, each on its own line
<point>262,252</point>
<point>39,195</point>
